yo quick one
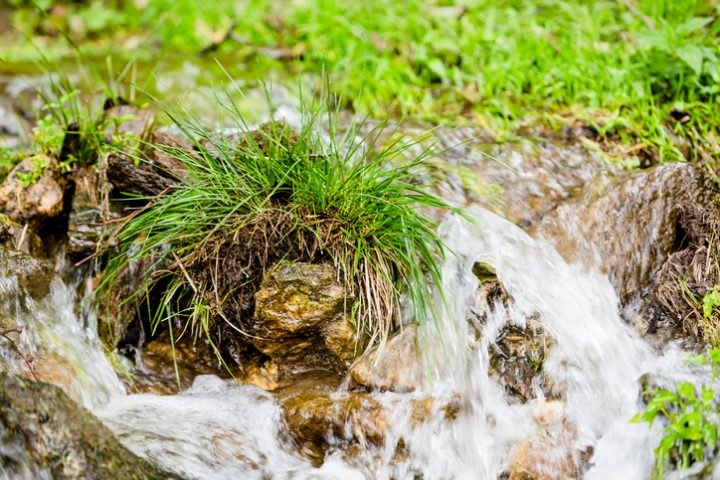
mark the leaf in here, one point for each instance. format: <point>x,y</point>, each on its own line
<point>715,355</point>
<point>661,398</point>
<point>652,39</point>
<point>437,67</point>
<point>708,394</point>
<point>697,360</point>
<point>686,390</point>
<point>692,25</point>
<point>709,435</point>
<point>692,56</point>
<point>711,301</point>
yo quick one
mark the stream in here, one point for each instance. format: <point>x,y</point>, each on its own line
<point>578,427</point>
<point>220,430</point>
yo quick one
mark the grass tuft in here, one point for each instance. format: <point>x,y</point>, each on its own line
<point>251,198</point>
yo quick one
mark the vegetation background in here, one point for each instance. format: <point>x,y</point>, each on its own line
<point>643,74</point>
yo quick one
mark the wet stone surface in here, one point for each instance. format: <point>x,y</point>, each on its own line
<point>44,434</point>
<point>300,317</point>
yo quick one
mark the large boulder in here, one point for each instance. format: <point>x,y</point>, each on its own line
<point>302,317</point>
<point>631,224</point>
<point>44,434</point>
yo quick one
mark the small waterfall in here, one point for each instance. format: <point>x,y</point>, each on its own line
<point>63,342</point>
<point>598,359</point>
<point>218,429</point>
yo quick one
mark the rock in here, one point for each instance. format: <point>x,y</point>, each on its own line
<point>630,224</point>
<point>301,317</point>
<point>155,373</point>
<point>318,416</point>
<point>14,236</point>
<point>396,366</point>
<point>44,434</point>
<point>34,191</point>
<point>549,453</point>
<point>114,315</point>
<point>523,180</point>
<point>518,355</point>
<point>85,222</point>
<point>31,274</point>
<point>484,272</point>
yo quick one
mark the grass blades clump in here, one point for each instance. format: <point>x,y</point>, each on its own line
<point>252,198</point>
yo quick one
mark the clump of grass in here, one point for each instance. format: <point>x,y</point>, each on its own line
<point>252,199</point>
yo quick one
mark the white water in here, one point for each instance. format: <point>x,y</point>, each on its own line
<point>218,430</point>
<point>56,336</point>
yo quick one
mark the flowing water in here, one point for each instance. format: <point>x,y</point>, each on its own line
<point>217,429</point>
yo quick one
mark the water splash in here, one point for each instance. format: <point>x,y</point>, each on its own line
<point>63,342</point>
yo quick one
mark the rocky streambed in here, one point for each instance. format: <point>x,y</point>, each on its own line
<point>556,306</point>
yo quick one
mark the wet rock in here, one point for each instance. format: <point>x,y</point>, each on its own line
<point>85,222</point>
<point>318,417</point>
<point>115,315</point>
<point>31,274</point>
<point>549,453</point>
<point>531,177</point>
<point>155,373</point>
<point>631,224</point>
<point>44,434</point>
<point>301,318</point>
<point>322,417</point>
<point>518,355</point>
<point>484,272</point>
<point>396,366</point>
<point>34,191</point>
<point>14,236</point>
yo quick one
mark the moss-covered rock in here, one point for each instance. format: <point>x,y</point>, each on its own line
<point>44,434</point>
